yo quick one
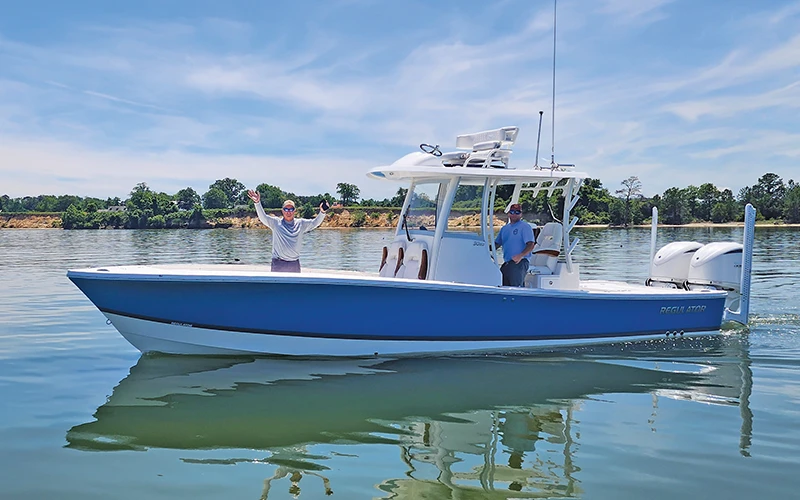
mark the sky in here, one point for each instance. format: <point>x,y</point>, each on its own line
<point>97,96</point>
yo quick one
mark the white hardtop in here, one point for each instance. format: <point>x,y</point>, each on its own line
<point>421,166</point>
<point>478,156</point>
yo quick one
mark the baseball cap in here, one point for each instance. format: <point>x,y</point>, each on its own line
<point>515,206</point>
<point>288,203</point>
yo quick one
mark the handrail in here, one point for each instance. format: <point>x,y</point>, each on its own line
<point>742,314</point>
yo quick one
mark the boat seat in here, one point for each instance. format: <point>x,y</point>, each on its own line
<point>548,247</point>
<point>392,259</point>
<point>415,263</point>
<point>490,148</point>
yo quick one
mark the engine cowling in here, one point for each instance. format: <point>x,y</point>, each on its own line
<point>670,266</point>
<point>718,265</point>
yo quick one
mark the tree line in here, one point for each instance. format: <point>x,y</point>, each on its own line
<point>145,208</point>
<point>773,199</point>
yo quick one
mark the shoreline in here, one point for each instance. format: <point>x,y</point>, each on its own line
<point>344,220</point>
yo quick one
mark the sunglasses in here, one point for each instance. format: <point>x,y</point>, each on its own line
<point>288,209</point>
<point>515,212</point>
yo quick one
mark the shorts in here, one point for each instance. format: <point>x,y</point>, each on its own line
<point>285,266</point>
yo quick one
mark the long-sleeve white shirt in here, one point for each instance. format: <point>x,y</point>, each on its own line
<point>287,236</point>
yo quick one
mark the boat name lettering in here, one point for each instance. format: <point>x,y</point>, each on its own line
<point>178,323</point>
<point>682,309</point>
<point>478,244</point>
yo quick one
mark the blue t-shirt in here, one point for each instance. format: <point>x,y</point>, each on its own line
<point>513,238</point>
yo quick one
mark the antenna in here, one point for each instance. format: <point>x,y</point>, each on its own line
<point>538,140</point>
<point>553,115</point>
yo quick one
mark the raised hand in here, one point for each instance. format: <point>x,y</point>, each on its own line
<point>254,195</point>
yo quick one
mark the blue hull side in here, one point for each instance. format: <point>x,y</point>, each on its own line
<point>375,311</point>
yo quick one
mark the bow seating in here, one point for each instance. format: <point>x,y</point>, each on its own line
<point>392,259</point>
<point>415,262</point>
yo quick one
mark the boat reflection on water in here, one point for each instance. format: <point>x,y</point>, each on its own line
<point>481,424</point>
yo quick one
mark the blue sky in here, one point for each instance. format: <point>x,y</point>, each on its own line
<point>96,96</point>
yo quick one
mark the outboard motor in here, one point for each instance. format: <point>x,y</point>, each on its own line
<point>670,266</point>
<point>718,266</point>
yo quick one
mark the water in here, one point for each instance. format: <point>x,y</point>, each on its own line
<point>83,416</point>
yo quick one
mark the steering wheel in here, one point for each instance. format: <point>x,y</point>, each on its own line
<point>431,150</point>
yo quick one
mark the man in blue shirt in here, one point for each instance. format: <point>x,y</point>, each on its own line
<point>517,241</point>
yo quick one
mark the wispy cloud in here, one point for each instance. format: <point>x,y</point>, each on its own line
<point>214,95</point>
<point>785,13</point>
<point>787,97</point>
<point>121,100</point>
<point>741,66</point>
<point>630,11</point>
<point>39,165</point>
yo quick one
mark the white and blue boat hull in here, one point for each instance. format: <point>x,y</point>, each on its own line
<point>239,309</point>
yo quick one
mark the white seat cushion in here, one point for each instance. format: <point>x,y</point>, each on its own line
<point>413,260</point>
<point>395,255</point>
<point>548,246</point>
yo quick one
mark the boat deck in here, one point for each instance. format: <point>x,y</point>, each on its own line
<point>247,272</point>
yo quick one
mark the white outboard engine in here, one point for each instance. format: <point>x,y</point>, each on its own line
<point>718,266</point>
<point>670,266</point>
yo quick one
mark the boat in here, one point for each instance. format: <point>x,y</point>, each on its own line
<point>438,288</point>
<point>461,415</point>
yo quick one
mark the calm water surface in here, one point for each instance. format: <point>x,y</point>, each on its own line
<point>84,416</point>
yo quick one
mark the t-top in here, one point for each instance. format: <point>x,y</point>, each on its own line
<point>287,236</point>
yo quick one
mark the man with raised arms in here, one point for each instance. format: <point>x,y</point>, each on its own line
<point>287,233</point>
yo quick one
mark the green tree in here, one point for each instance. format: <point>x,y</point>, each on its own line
<point>112,202</point>
<point>348,193</point>
<point>187,198</point>
<point>399,197</point>
<point>616,212</point>
<point>64,201</point>
<point>791,203</point>
<point>767,196</point>
<point>45,203</point>
<point>164,204</point>
<point>72,218</point>
<point>197,219</point>
<point>631,188</point>
<point>271,196</point>
<point>639,210</point>
<point>215,198</point>
<point>726,208</point>
<point>593,203</point>
<point>307,211</point>
<point>231,188</point>
<point>157,222</point>
<point>707,197</point>
<point>140,205</point>
<point>690,194</point>
<point>674,207</point>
